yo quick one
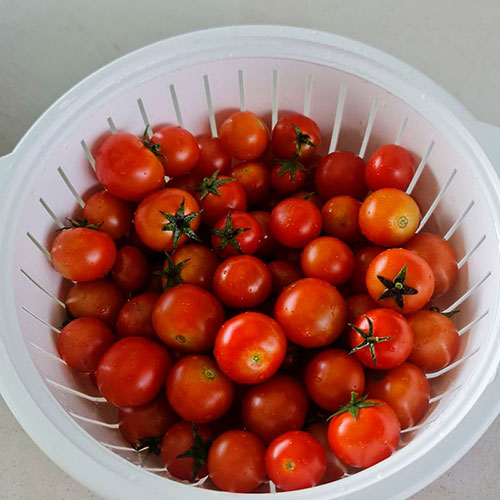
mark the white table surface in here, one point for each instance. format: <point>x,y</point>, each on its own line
<point>47,46</point>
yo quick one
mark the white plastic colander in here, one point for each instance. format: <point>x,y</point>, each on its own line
<point>361,98</point>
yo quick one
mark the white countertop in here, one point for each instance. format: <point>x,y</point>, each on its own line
<point>47,46</point>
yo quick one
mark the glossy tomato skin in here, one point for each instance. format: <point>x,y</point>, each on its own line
<point>254,177</point>
<point>311,312</point>
<point>100,299</point>
<point>267,245</point>
<point>295,460</point>
<point>295,222</point>
<point>148,421</point>
<point>331,376</point>
<point>180,149</point>
<point>389,217</point>
<point>199,266</point>
<point>329,259</point>
<point>390,166</point>
<point>284,136</point>
<point>114,214</point>
<point>309,196</point>
<point>340,173</point>
<point>274,407</point>
<point>82,343</point>
<point>242,281</point>
<point>135,317</point>
<point>283,274</point>
<point>439,254</point>
<point>132,371</point>
<point>149,221</point>
<point>419,276</point>
<point>250,348</point>
<point>362,259</point>
<point>213,157</point>
<point>436,340</point>
<point>244,135</point>
<point>127,169</point>
<point>236,461</point>
<point>198,391</point>
<point>369,439</point>
<point>340,218</point>
<point>358,305</point>
<point>404,388</point>
<point>389,353</point>
<point>81,254</point>
<point>130,270</point>
<point>187,318</point>
<point>186,182</point>
<point>283,182</point>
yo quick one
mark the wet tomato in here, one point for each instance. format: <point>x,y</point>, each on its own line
<point>288,176</point>
<point>130,270</point>
<point>134,319</point>
<point>213,157</point>
<point>340,218</point>
<point>283,274</point>
<point>362,259</point>
<point>295,134</point>
<point>254,177</point>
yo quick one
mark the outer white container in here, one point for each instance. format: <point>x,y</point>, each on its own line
<point>309,67</point>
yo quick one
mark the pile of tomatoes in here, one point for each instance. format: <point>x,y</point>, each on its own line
<point>256,311</point>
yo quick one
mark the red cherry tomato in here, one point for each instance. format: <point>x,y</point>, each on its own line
<point>242,281</point>
<point>198,391</point>
<point>82,342</point>
<point>81,254</point>
<point>244,135</point>
<point>187,318</point>
<point>134,319</point>
<point>295,134</point>
<point>295,460</point>
<point>309,196</point>
<point>132,371</point>
<point>329,259</point>
<point>114,214</point>
<point>390,166</point>
<point>267,245</point>
<point>362,259</point>
<point>127,168</point>
<point>358,305</point>
<point>250,348</point>
<point>283,274</point>
<point>130,270</point>
<point>340,173</point>
<point>381,339</point>
<point>213,157</point>
<point>311,312</point>
<point>288,176</point>
<point>340,218</point>
<point>159,232</point>
<point>400,279</point>
<point>179,148</point>
<point>295,222</point>
<point>186,182</point>
<point>254,177</point>
<point>236,461</point>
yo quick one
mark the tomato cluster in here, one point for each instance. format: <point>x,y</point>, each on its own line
<point>268,318</point>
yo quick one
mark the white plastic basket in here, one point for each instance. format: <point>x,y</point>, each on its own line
<point>361,98</point>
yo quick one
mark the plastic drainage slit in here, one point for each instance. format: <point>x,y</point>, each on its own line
<point>338,119</point>
<point>401,132</point>
<point>307,95</point>
<point>112,125</point>
<point>472,323</point>
<point>457,223</point>
<point>467,256</point>
<point>420,168</point>
<point>210,106</point>
<point>93,421</point>
<point>49,294</point>
<point>274,103</point>
<point>70,186</point>
<point>51,213</point>
<point>369,126</point>
<point>241,90</point>
<point>467,294</point>
<point>175,102</point>
<point>79,394</point>
<point>48,354</point>
<point>452,365</point>
<point>145,118</point>
<point>47,324</point>
<point>88,154</point>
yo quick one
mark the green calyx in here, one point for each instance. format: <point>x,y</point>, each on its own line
<point>396,288</point>
<point>198,452</point>
<point>154,148</point>
<point>180,224</point>
<point>290,166</point>
<point>171,272</point>
<point>228,235</point>
<point>302,139</point>
<point>447,314</point>
<point>152,444</point>
<point>210,185</point>
<point>354,405</point>
<point>76,222</point>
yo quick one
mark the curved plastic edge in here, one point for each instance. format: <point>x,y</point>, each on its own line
<point>7,169</point>
<point>489,138</point>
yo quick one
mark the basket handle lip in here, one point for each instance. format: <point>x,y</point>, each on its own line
<point>489,137</point>
<point>7,170</point>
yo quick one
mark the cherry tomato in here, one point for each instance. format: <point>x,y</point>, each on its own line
<point>242,281</point>
<point>244,135</point>
<point>390,166</point>
<point>236,233</point>
<point>81,254</point>
<point>404,388</point>
<point>381,339</point>
<point>295,460</point>
<point>400,279</point>
<point>165,234</point>
<point>132,371</point>
<point>362,436</point>
<point>295,222</point>
<point>295,134</point>
<point>274,407</point>
<point>135,319</point>
<point>130,270</point>
<point>197,389</point>
<point>254,177</point>
<point>331,376</point>
<point>288,176</point>
<point>358,305</point>
<point>127,168</point>
<point>219,194</point>
<point>187,318</point>
<point>99,299</point>
<point>250,348</point>
<point>311,312</point>
<point>267,245</point>
<point>213,157</point>
<point>362,259</point>
<point>439,254</point>
<point>340,173</point>
<point>114,215</point>
<point>179,149</point>
<point>82,342</point>
<point>436,340</point>
<point>309,196</point>
<point>389,217</point>
<point>180,439</point>
<point>340,218</point>
<point>144,426</point>
<point>236,461</point>
<point>329,259</point>
<point>283,274</point>
<point>186,182</point>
